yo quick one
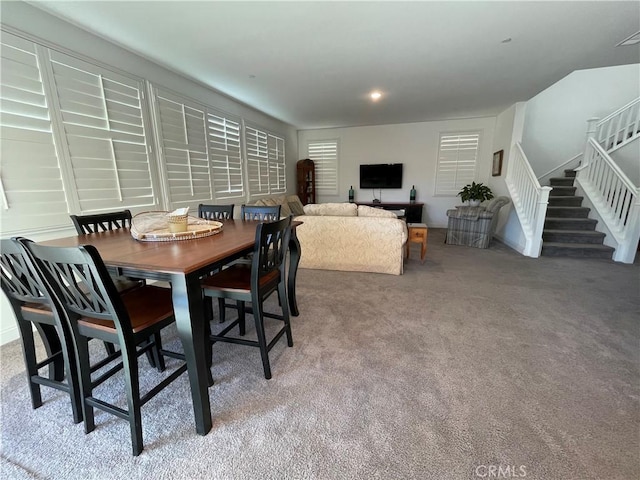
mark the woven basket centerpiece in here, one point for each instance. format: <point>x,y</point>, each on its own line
<point>161,226</point>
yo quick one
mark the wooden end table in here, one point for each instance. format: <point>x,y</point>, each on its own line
<point>417,234</point>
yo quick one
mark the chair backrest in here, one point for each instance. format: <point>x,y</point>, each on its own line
<point>20,280</point>
<point>215,212</point>
<point>264,213</point>
<point>272,242</point>
<point>101,222</point>
<point>79,280</point>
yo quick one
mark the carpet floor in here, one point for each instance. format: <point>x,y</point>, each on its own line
<point>475,364</point>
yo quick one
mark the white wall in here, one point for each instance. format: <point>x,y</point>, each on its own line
<point>51,29</point>
<point>508,131</point>
<point>413,144</point>
<point>556,118</point>
<point>628,159</point>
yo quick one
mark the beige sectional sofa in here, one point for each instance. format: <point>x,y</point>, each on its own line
<point>344,236</point>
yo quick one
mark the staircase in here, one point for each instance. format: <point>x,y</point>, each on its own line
<point>567,230</point>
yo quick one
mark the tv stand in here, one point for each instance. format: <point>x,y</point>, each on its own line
<point>412,210</point>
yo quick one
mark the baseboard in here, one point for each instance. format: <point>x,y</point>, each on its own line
<point>9,335</point>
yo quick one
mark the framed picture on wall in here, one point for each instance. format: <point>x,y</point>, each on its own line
<point>496,171</point>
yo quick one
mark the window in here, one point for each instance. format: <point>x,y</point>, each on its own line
<point>457,157</point>
<point>265,162</point>
<point>101,116</point>
<point>73,138</point>
<point>183,140</point>
<point>324,154</point>
<point>226,161</point>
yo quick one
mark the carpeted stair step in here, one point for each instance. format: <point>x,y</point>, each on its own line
<point>562,191</point>
<point>564,201</point>
<point>556,223</point>
<point>561,182</point>
<point>570,173</point>
<point>572,236</point>
<point>571,212</point>
<point>584,250</point>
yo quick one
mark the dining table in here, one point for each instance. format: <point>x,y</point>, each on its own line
<point>183,263</point>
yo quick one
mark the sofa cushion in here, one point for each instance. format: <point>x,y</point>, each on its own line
<point>366,211</point>
<point>295,205</point>
<point>332,209</point>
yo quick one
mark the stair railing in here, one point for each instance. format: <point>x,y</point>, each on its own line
<point>619,128</point>
<point>615,198</point>
<point>530,199</point>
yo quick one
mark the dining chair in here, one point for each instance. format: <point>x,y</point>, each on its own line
<point>24,288</point>
<point>254,283</point>
<point>79,279</point>
<point>215,212</point>
<point>103,222</point>
<point>264,213</point>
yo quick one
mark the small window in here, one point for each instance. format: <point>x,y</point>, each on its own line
<point>324,154</point>
<point>457,159</point>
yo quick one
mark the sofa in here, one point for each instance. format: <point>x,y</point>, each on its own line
<point>348,237</point>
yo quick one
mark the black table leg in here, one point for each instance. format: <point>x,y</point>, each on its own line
<point>194,334</point>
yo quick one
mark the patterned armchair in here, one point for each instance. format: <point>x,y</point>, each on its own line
<point>474,226</point>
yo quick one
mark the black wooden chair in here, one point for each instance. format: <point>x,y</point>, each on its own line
<point>25,291</point>
<point>102,222</point>
<point>215,212</point>
<point>254,283</point>
<point>78,278</point>
<point>264,213</point>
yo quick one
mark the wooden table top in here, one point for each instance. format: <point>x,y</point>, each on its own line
<point>119,249</point>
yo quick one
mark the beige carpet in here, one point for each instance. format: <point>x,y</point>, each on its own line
<point>478,361</point>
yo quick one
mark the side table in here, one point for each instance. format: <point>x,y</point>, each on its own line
<point>417,234</point>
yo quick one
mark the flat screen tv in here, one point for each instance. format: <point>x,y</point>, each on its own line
<point>382,175</point>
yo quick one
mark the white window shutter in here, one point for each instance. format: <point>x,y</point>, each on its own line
<point>102,117</point>
<point>277,177</point>
<point>324,154</point>
<point>226,160</point>
<point>183,138</point>
<point>257,161</point>
<point>457,159</point>
<point>32,191</point>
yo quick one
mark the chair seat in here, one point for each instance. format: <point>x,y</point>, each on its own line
<point>237,278</point>
<point>146,305</point>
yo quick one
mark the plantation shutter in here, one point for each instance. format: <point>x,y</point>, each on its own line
<point>183,138</point>
<point>226,160</point>
<point>257,161</point>
<point>457,157</point>
<point>277,177</point>
<point>324,154</point>
<point>31,187</point>
<point>101,114</point>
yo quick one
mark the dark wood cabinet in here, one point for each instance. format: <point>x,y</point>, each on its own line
<point>306,176</point>
<point>412,210</point>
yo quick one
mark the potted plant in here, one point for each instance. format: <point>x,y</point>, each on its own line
<point>475,193</point>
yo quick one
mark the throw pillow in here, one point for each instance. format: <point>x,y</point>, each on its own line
<point>366,211</point>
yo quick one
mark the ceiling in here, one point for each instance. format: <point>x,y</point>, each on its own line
<point>313,64</point>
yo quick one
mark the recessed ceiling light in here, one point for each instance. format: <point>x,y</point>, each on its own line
<point>375,95</point>
<point>631,40</point>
